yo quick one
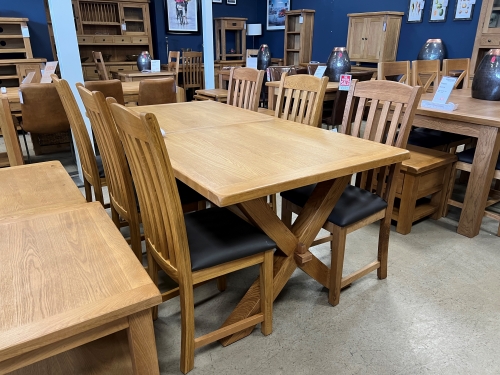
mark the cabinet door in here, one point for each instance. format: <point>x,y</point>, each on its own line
<point>24,69</point>
<point>492,18</point>
<point>76,16</point>
<point>356,38</point>
<point>134,19</point>
<point>374,36</point>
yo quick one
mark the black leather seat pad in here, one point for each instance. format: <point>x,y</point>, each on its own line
<point>354,204</point>
<point>432,138</point>
<point>467,156</point>
<point>100,167</point>
<point>217,236</point>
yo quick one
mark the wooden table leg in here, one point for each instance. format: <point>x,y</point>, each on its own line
<point>141,342</point>
<point>483,168</point>
<point>9,133</point>
<point>303,231</point>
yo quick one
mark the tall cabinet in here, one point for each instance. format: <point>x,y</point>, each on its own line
<point>118,29</point>
<point>373,37</point>
<point>299,26</point>
<point>488,32</point>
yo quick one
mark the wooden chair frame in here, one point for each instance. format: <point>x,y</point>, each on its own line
<point>100,66</point>
<point>83,143</point>
<point>394,68</point>
<point>165,231</point>
<point>245,85</point>
<point>458,64</point>
<point>391,109</point>
<point>173,66</point>
<point>424,73</point>
<point>192,76</point>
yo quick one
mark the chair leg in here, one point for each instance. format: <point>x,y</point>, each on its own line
<point>337,264</point>
<point>99,196</point>
<point>135,239</point>
<point>383,245</point>
<point>266,292</point>
<point>88,190</point>
<point>153,274</point>
<point>286,214</point>
<point>222,283</point>
<point>187,327</point>
<point>115,217</point>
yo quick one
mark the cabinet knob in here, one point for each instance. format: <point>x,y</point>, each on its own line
<point>489,40</point>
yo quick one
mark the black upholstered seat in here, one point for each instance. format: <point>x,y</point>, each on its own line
<point>354,204</point>
<point>218,236</point>
<point>431,138</point>
<point>100,167</point>
<point>467,156</point>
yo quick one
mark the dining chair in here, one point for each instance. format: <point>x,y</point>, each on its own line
<point>100,66</point>
<point>192,75</point>
<point>120,187</point>
<point>92,168</point>
<point>458,67</point>
<point>111,88</point>
<point>194,247</point>
<point>244,88</point>
<point>398,71</point>
<point>42,111</point>
<point>425,73</point>
<point>157,91</point>
<point>174,58</point>
<point>464,164</point>
<point>371,198</point>
<point>300,98</point>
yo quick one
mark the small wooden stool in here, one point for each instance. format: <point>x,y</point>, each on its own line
<point>426,173</point>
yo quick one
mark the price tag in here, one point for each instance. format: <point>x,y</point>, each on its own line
<point>320,71</point>
<point>301,19</point>
<point>20,97</point>
<point>345,82</point>
<point>444,90</point>
<point>124,26</point>
<point>155,65</point>
<point>25,31</point>
<point>50,68</point>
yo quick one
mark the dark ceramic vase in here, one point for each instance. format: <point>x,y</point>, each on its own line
<point>263,57</point>
<point>486,82</point>
<point>144,61</point>
<point>338,63</point>
<point>433,49</point>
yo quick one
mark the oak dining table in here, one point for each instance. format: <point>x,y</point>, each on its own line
<point>474,118</point>
<point>236,158</point>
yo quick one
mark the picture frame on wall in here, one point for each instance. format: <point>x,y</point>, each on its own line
<point>415,11</point>
<point>182,16</point>
<point>464,9</point>
<point>217,1</point>
<point>439,10</point>
<point>276,14</point>
<point>231,2</point>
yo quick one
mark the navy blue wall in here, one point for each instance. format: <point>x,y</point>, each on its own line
<point>330,27</point>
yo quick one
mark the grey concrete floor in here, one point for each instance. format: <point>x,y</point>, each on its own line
<point>438,312</point>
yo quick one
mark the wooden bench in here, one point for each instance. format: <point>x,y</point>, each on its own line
<point>426,173</point>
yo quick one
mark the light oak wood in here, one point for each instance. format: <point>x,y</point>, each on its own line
<point>112,288</point>
<point>192,74</point>
<point>396,68</point>
<point>134,75</point>
<point>9,132</point>
<point>174,59</point>
<point>165,231</point>
<point>100,66</point>
<point>475,118</point>
<point>35,188</point>
<point>425,73</point>
<point>238,26</point>
<point>450,65</point>
<point>244,88</point>
<point>299,30</point>
<point>330,91</point>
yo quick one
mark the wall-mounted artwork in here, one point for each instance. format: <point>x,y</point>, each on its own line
<point>439,9</point>
<point>416,11</point>
<point>231,2</point>
<point>464,10</point>
<point>276,14</point>
<point>183,16</point>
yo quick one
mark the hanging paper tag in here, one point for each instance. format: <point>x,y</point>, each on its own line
<point>124,26</point>
<point>301,19</point>
<point>320,71</point>
<point>50,68</point>
<point>345,82</point>
<point>20,97</point>
<point>25,31</point>
<point>3,90</point>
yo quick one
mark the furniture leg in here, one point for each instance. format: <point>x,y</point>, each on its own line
<point>337,264</point>
<point>153,274</point>
<point>383,245</point>
<point>286,215</point>
<point>440,198</point>
<point>408,202</point>
<point>135,239</point>
<point>271,99</point>
<point>221,283</point>
<point>266,287</point>
<point>187,327</point>
<point>88,190</point>
<point>488,145</point>
<point>9,133</point>
<point>141,341</point>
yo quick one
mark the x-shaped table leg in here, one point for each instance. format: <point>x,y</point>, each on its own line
<point>293,245</point>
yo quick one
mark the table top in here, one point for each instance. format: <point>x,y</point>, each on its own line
<point>36,187</point>
<point>63,273</point>
<point>331,87</point>
<point>235,162</point>
<point>474,111</point>
<point>195,115</point>
<point>136,73</point>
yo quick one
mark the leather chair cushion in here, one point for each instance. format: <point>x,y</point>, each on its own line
<point>188,195</point>
<point>100,167</point>
<point>218,236</point>
<point>429,139</point>
<point>157,91</point>
<point>354,204</point>
<point>467,156</point>
<point>112,88</point>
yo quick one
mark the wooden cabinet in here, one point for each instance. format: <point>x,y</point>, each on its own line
<point>238,26</point>
<point>488,32</point>
<point>118,29</point>
<point>299,26</point>
<point>373,37</point>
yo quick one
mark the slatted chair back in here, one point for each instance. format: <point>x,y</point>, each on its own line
<point>300,98</point>
<point>425,73</point>
<point>191,69</point>
<point>395,70</point>
<point>82,139</point>
<point>174,58</point>
<point>154,179</point>
<point>245,85</point>
<point>121,190</point>
<point>100,66</point>
<point>463,65</point>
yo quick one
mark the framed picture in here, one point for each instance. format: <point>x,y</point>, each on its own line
<point>231,2</point>
<point>183,16</point>
<point>276,14</point>
<point>439,9</point>
<point>217,1</point>
<point>415,11</point>
<point>464,10</point>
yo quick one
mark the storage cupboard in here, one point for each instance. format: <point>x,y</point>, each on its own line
<point>488,32</point>
<point>299,26</point>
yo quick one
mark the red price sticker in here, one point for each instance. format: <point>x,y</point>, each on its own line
<point>345,82</point>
